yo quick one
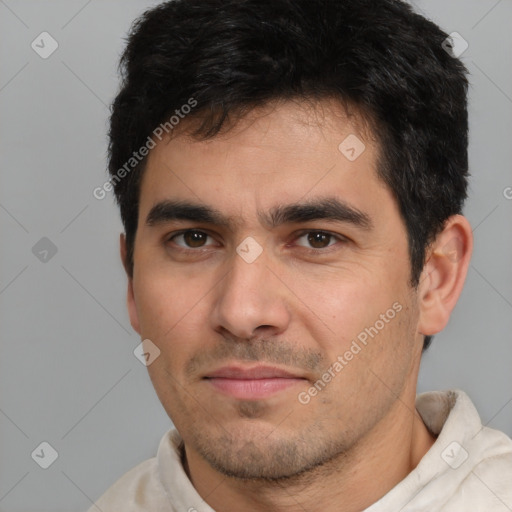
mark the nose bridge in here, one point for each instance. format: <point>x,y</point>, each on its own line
<point>250,296</point>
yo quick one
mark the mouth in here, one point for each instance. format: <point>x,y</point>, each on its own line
<point>253,383</point>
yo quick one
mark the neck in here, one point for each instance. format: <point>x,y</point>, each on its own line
<point>351,482</point>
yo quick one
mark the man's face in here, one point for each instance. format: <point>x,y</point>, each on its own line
<point>254,306</point>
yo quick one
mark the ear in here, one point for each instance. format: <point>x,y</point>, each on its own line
<point>130,298</point>
<point>444,274</point>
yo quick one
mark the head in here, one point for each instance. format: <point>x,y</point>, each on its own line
<point>328,141</point>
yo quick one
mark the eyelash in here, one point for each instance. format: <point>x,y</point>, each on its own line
<point>298,235</point>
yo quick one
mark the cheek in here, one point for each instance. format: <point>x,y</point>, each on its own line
<point>165,302</point>
<point>156,309</point>
<point>370,330</point>
<point>173,314</point>
<point>345,307</point>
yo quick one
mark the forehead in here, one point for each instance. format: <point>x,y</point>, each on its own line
<point>280,153</point>
<point>304,126</point>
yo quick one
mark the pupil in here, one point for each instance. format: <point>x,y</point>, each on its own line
<point>317,239</point>
<point>194,238</point>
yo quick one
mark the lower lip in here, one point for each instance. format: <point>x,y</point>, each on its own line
<point>252,389</point>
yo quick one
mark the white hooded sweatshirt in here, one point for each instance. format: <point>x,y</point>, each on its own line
<point>467,469</point>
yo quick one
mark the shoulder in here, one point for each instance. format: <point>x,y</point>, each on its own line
<point>137,490</point>
<point>468,468</point>
<point>477,460</point>
<point>488,486</point>
<point>141,489</point>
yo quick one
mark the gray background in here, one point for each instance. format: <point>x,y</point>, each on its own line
<point>67,372</point>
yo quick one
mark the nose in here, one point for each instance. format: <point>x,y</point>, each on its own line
<point>251,300</point>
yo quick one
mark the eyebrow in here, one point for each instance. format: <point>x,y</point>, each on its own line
<point>327,208</point>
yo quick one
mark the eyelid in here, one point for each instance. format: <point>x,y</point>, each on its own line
<point>299,234</point>
<point>304,231</point>
<point>337,236</point>
<point>171,236</point>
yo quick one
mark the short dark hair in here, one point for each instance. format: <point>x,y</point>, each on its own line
<point>231,56</point>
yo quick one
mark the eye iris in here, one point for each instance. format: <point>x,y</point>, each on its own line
<point>317,240</point>
<point>194,238</point>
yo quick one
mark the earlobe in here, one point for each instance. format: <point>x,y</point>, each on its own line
<point>444,274</point>
<point>130,296</point>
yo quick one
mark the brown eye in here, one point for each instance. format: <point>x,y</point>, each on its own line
<point>194,238</point>
<point>319,240</point>
<point>190,239</point>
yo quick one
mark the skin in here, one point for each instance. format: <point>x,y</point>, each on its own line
<point>298,306</point>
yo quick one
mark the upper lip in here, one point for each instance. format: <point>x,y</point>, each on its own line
<point>255,372</point>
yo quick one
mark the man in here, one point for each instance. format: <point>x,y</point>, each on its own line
<point>291,175</point>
